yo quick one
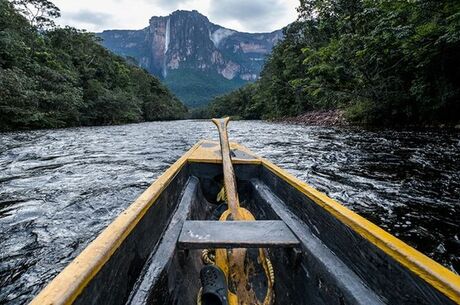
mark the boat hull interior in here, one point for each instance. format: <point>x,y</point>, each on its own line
<point>333,265</point>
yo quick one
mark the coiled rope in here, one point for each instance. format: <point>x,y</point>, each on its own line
<point>208,257</point>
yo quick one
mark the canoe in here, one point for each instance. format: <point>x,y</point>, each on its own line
<point>321,252</point>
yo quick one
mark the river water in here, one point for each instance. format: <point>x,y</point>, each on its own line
<point>60,188</point>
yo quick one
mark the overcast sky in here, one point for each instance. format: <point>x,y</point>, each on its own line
<point>241,15</point>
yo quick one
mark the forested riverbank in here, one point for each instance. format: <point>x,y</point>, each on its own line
<point>59,77</point>
<point>380,62</point>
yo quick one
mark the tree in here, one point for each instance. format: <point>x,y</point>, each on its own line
<point>62,77</point>
<point>382,62</point>
<point>40,13</point>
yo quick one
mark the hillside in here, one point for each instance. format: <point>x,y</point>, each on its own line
<point>54,77</point>
<point>195,58</point>
<point>389,63</point>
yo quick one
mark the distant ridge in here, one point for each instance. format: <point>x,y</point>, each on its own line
<point>195,58</point>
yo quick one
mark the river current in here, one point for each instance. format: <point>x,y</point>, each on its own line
<point>60,188</point>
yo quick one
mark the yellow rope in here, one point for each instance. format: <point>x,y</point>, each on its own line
<point>222,196</point>
<point>198,297</point>
<point>271,271</point>
<point>208,258</point>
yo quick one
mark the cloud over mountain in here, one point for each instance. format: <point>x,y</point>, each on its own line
<point>242,15</point>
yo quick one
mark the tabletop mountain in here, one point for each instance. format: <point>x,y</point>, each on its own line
<point>194,57</point>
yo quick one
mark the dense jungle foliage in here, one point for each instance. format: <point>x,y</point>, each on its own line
<point>57,77</point>
<point>382,62</point>
<point>195,88</point>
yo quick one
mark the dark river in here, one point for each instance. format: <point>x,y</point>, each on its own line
<point>60,188</point>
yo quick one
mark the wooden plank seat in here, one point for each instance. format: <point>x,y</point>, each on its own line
<point>236,234</point>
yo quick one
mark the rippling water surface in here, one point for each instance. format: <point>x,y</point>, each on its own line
<point>60,188</point>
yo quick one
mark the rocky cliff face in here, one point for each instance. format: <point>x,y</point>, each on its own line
<point>185,47</point>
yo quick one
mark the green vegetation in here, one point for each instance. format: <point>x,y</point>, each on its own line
<point>241,104</point>
<point>383,62</point>
<point>196,88</point>
<point>52,77</point>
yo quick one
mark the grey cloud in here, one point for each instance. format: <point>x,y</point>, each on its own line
<point>252,14</point>
<point>167,4</point>
<point>88,17</point>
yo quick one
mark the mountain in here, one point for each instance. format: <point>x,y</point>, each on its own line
<point>194,57</point>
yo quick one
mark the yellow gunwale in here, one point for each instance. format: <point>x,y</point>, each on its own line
<point>429,270</point>
<point>213,161</point>
<point>68,284</point>
<point>211,154</point>
<point>444,280</point>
